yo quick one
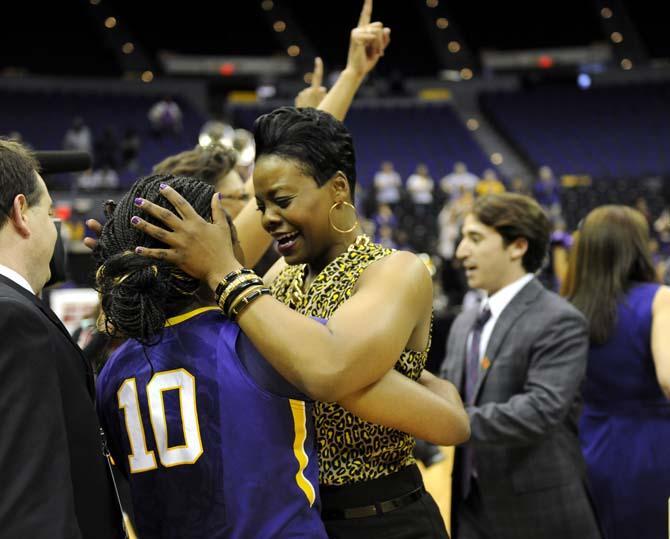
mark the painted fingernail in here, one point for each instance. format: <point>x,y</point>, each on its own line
<point>220,196</point>
<point>162,186</point>
<point>138,250</point>
<point>135,220</point>
<point>139,201</point>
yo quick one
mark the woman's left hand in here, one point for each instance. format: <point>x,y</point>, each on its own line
<point>203,250</point>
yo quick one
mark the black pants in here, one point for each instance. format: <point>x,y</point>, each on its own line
<point>420,519</point>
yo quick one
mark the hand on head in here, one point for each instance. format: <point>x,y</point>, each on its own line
<point>203,250</point>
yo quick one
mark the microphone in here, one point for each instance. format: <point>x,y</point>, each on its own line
<point>63,161</point>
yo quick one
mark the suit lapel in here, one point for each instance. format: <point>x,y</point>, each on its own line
<point>504,324</point>
<point>457,365</point>
<point>37,302</point>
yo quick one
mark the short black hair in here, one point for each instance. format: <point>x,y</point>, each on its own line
<point>18,168</point>
<point>319,143</point>
<point>138,294</point>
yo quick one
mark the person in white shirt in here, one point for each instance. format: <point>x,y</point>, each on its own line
<point>420,186</point>
<point>78,137</point>
<point>519,359</point>
<point>387,184</point>
<point>459,181</point>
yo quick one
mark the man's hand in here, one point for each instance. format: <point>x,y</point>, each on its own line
<point>96,228</point>
<point>314,93</point>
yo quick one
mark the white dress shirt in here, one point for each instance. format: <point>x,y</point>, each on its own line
<point>16,277</point>
<point>497,303</point>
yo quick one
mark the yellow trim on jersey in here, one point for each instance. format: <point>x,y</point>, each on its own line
<point>300,423</point>
<point>186,316</point>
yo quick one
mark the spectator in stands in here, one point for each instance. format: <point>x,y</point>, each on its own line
<point>547,191</point>
<point>387,183</point>
<point>459,181</point>
<point>450,220</point>
<point>165,117</point>
<point>130,150</point>
<point>519,359</point>
<point>78,137</point>
<point>625,426</point>
<point>215,165</point>
<point>520,187</point>
<point>102,178</point>
<point>107,149</point>
<point>489,184</point>
<point>420,187</point>
<point>385,217</point>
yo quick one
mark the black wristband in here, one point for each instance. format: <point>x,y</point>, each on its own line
<point>237,291</point>
<point>229,279</point>
<point>244,302</point>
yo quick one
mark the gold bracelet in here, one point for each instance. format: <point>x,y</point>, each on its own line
<point>248,300</point>
<point>233,285</point>
<point>241,297</point>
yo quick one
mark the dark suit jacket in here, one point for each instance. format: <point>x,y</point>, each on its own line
<point>54,480</point>
<point>531,474</point>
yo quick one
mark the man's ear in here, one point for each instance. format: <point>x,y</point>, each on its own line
<point>340,186</point>
<point>18,215</point>
<point>518,248</point>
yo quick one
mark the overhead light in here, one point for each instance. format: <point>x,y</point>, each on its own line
<point>147,76</point>
<point>128,48</point>
<point>616,37</point>
<point>472,124</point>
<point>466,73</point>
<point>267,5</point>
<point>442,23</point>
<point>279,26</point>
<point>496,158</point>
<point>293,50</point>
<point>454,46</point>
<point>626,64</point>
<point>606,13</point>
<point>110,22</point>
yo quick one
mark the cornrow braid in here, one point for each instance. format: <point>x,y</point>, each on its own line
<point>139,294</point>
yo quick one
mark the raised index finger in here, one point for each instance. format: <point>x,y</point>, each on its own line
<point>317,75</point>
<point>366,13</point>
<point>184,209</point>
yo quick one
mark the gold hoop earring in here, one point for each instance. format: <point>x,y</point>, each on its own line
<point>330,218</point>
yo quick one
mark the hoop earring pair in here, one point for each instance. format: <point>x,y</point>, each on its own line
<point>337,205</point>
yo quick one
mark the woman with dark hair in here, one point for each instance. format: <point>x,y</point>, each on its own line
<point>625,426</point>
<point>377,304</point>
<point>204,427</point>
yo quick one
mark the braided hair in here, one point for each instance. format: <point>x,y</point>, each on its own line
<point>139,294</point>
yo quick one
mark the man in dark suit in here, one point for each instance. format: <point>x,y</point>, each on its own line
<point>54,478</point>
<point>519,359</point>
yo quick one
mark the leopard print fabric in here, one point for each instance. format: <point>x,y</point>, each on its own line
<point>350,449</point>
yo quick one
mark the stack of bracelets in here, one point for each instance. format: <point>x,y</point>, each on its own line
<point>237,290</point>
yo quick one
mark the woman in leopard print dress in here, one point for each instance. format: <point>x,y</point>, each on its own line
<point>375,308</point>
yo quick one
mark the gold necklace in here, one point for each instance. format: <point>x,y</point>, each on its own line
<point>296,294</point>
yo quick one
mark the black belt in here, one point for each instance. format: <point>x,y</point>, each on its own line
<point>376,509</point>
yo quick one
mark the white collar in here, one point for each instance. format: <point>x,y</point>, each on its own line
<point>16,277</point>
<point>498,301</point>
